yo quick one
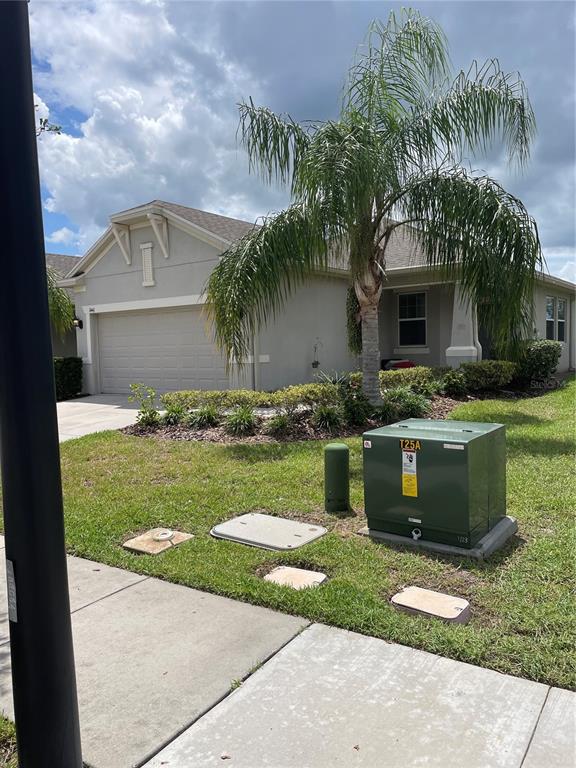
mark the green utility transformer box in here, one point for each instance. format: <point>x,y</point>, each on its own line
<point>441,481</point>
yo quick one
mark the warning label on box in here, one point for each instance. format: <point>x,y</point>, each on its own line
<point>409,474</point>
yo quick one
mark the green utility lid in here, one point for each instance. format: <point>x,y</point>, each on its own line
<point>459,431</point>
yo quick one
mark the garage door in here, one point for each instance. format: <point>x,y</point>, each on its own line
<point>164,349</point>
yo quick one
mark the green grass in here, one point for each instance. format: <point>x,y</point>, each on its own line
<point>8,757</point>
<point>116,486</point>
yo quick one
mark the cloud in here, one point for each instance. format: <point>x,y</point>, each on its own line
<point>160,115</point>
<point>561,262</point>
<point>147,92</point>
<point>63,236</point>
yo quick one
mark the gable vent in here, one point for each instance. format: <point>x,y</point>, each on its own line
<point>147,266</point>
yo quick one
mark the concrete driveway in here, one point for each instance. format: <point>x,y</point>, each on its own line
<point>94,413</point>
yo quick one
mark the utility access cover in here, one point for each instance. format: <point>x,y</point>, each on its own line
<point>258,530</point>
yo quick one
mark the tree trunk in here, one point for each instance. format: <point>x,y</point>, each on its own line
<point>368,288</point>
<point>370,352</point>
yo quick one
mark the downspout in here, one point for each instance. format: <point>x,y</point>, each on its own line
<point>475,338</point>
<point>253,363</point>
<point>572,335</point>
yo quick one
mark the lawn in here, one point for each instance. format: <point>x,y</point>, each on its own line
<point>523,615</point>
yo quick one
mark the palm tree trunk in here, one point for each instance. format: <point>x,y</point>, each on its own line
<point>370,352</point>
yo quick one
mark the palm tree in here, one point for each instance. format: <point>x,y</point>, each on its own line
<point>393,158</point>
<point>60,305</point>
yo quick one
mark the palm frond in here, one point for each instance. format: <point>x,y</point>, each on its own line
<point>480,106</point>
<point>399,64</point>
<point>256,275</point>
<point>274,144</point>
<point>60,305</point>
<point>474,231</point>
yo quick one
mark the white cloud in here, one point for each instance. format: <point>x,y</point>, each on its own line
<point>160,108</point>
<point>63,236</point>
<point>561,262</point>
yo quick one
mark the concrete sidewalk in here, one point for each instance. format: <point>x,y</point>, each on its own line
<point>151,657</point>
<point>94,413</point>
<point>156,664</point>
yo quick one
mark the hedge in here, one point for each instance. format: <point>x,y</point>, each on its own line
<point>487,374</point>
<point>288,399</point>
<point>67,377</point>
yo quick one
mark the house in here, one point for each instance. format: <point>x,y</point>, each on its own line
<point>61,265</point>
<point>139,294</point>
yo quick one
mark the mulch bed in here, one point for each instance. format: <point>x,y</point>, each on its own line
<point>304,430</point>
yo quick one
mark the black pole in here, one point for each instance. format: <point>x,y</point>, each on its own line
<point>45,704</point>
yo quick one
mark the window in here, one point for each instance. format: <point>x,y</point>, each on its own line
<point>561,320</point>
<point>412,319</point>
<point>556,310</point>
<point>550,317</point>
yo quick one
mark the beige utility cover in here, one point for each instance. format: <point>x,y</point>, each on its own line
<point>149,544</point>
<point>430,603</point>
<point>297,578</point>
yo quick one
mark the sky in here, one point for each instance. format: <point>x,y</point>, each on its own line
<point>146,95</point>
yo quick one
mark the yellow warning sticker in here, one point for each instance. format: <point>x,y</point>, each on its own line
<point>409,474</point>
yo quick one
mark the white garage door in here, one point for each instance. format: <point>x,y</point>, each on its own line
<point>164,349</point>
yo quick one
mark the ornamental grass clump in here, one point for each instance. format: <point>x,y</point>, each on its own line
<point>327,417</point>
<point>241,422</point>
<point>407,404</point>
<point>204,418</point>
<point>281,425</point>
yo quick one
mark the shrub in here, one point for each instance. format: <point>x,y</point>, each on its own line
<point>205,417</point>
<point>406,403</point>
<point>67,377</point>
<point>307,395</point>
<point>280,425</point>
<point>488,374</point>
<point>454,384</point>
<point>174,415</point>
<point>419,379</point>
<point>355,405</point>
<point>148,415</point>
<point>327,417</point>
<point>385,413</point>
<point>538,361</point>
<point>288,399</point>
<point>241,422</point>
<point>229,398</point>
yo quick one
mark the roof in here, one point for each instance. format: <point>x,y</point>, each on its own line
<point>223,226</point>
<point>403,251</point>
<point>61,263</point>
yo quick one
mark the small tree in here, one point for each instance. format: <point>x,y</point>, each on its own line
<point>60,305</point>
<point>393,158</point>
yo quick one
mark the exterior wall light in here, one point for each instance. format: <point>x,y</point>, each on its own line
<point>77,323</point>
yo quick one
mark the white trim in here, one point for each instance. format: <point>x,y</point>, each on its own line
<point>165,303</point>
<point>88,331</point>
<point>121,234</point>
<point>147,265</point>
<point>220,243</point>
<point>412,350</point>
<point>162,237</point>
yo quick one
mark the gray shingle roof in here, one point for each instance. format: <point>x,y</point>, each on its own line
<point>402,251</point>
<point>223,226</point>
<point>60,263</point>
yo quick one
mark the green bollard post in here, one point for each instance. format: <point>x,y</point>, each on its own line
<point>336,478</point>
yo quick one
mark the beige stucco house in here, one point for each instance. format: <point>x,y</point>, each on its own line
<point>139,294</point>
